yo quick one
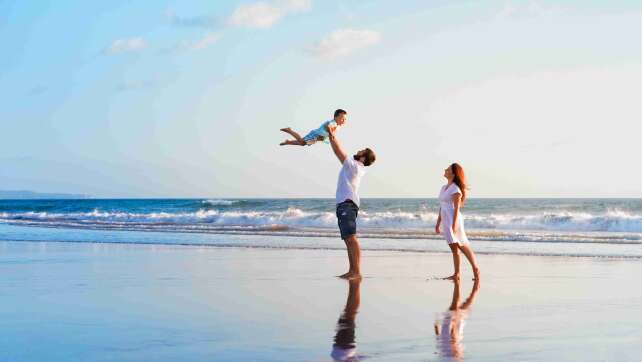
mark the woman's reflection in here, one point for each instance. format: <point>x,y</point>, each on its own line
<point>344,347</point>
<point>450,330</point>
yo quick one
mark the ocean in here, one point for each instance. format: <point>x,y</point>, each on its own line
<point>570,227</point>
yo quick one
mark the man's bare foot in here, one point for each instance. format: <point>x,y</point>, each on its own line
<point>453,277</point>
<point>343,275</point>
<point>286,129</point>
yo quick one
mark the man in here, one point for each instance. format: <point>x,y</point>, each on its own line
<point>347,198</point>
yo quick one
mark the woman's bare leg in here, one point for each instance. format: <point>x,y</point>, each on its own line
<point>470,255</point>
<point>455,250</point>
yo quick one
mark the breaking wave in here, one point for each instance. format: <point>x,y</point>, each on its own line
<point>609,227</point>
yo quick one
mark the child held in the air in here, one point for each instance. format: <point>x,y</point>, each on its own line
<point>319,134</point>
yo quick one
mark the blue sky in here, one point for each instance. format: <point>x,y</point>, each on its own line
<point>185,99</point>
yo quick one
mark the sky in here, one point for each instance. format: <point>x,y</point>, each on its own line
<point>186,98</point>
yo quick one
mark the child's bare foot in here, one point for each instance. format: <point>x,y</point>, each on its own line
<point>283,143</point>
<point>453,277</point>
<point>286,129</point>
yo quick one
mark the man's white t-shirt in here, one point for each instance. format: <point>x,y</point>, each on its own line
<point>349,180</point>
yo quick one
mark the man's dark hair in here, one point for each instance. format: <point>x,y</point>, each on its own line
<point>339,112</point>
<point>370,157</point>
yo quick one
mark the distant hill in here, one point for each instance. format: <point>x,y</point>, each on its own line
<point>39,195</point>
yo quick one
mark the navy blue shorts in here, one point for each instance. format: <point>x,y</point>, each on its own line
<point>347,216</point>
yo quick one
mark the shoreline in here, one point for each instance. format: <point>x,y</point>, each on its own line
<point>612,251</point>
<point>266,247</point>
<point>403,234</point>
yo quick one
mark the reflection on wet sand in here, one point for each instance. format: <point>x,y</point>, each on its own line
<point>450,329</point>
<point>345,347</point>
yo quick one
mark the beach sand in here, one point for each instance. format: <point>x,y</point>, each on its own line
<point>106,302</point>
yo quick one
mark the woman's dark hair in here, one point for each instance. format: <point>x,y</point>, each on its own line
<point>339,112</point>
<point>459,179</point>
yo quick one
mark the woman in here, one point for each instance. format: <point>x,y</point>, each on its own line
<point>450,222</point>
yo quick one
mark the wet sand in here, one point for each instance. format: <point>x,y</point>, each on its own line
<point>104,302</point>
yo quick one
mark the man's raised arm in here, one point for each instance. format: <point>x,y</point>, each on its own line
<point>336,147</point>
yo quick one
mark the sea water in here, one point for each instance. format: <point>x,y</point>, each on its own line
<point>573,227</point>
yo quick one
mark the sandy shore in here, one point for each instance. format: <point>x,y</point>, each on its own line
<point>102,302</point>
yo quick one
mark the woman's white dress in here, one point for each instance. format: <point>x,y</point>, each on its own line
<point>447,215</point>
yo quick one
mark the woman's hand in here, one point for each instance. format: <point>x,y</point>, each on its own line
<point>437,230</point>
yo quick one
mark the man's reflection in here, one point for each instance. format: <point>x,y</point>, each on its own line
<point>345,347</point>
<point>450,329</point>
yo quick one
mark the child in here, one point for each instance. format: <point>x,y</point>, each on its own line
<point>319,134</point>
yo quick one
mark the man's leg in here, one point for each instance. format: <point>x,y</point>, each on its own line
<point>349,250</point>
<point>350,255</point>
<point>347,218</point>
<point>354,257</point>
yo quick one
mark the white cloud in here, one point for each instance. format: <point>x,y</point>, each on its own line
<point>205,41</point>
<point>532,8</point>
<point>263,15</point>
<point>124,45</point>
<point>295,5</point>
<point>199,44</point>
<point>259,15</point>
<point>344,42</point>
<point>200,21</point>
<point>506,11</point>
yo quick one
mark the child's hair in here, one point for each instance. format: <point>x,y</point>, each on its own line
<point>339,112</point>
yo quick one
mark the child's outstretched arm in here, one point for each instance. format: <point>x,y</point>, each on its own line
<point>336,147</point>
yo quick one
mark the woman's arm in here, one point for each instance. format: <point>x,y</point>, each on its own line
<point>437,230</point>
<point>456,201</point>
